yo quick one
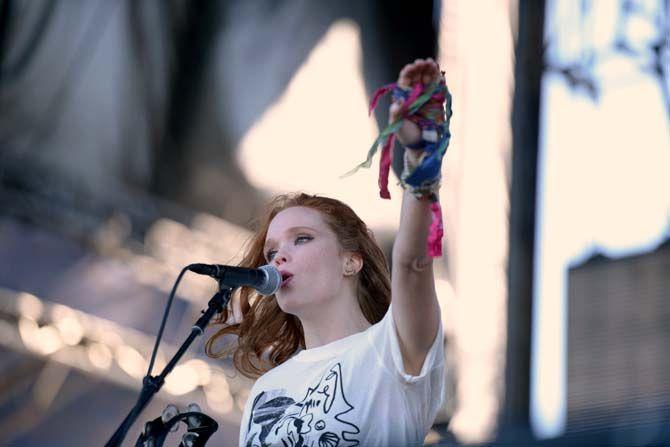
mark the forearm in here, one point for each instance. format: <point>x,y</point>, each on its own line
<point>410,246</point>
<point>415,306</point>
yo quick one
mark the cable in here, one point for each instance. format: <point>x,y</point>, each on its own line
<point>165,316</point>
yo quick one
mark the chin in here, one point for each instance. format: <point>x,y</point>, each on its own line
<point>288,305</point>
<point>293,305</point>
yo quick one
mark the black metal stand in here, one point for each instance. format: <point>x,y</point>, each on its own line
<point>156,431</point>
<point>152,384</point>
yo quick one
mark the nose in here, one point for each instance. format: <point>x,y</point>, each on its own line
<point>279,259</point>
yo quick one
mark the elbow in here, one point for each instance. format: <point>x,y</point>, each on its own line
<point>411,254</point>
<point>411,261</point>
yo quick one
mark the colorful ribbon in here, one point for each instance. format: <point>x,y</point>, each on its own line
<point>422,105</point>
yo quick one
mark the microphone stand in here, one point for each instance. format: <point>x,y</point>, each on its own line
<point>152,384</point>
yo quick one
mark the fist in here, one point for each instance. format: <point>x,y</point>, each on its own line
<point>425,71</point>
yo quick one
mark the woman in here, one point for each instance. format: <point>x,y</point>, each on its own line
<point>338,368</point>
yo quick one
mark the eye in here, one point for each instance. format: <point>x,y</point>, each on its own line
<point>302,239</point>
<point>299,240</point>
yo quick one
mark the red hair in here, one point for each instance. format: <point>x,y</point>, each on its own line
<point>267,336</point>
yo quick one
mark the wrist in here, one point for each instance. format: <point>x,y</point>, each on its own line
<point>425,188</point>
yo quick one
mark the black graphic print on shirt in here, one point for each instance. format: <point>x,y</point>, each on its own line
<point>321,419</point>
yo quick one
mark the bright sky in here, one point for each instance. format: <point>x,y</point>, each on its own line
<point>604,186</point>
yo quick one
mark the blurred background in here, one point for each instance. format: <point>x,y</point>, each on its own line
<point>137,137</point>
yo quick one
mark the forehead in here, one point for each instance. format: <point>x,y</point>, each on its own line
<point>297,216</point>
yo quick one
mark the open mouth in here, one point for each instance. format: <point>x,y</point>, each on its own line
<point>285,278</point>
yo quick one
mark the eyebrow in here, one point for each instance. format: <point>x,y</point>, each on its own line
<point>291,230</point>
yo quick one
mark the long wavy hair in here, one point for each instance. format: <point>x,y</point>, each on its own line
<point>266,335</point>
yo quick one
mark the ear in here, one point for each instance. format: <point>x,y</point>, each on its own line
<point>353,263</point>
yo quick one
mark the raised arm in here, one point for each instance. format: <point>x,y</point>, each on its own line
<point>415,308</point>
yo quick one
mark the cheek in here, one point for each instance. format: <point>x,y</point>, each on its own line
<point>321,261</point>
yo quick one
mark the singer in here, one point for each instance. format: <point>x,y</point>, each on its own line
<point>345,353</point>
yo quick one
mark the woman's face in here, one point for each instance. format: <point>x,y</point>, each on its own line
<point>307,253</point>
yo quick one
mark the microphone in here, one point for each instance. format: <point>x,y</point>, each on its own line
<point>266,279</point>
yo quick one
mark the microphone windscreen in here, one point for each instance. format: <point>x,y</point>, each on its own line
<point>271,285</point>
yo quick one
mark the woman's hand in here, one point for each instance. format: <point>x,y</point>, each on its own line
<point>425,71</point>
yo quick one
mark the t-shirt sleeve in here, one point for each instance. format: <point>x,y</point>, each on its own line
<point>425,391</point>
<point>246,414</point>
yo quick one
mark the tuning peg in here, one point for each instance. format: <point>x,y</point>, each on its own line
<point>193,421</point>
<point>168,413</point>
<point>189,439</point>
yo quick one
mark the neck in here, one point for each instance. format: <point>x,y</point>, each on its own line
<point>342,319</point>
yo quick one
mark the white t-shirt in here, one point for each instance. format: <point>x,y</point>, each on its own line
<point>351,392</point>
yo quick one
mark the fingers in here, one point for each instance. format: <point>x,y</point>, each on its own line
<point>404,79</point>
<point>421,70</point>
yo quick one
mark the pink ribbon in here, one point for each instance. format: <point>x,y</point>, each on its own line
<point>378,94</point>
<point>436,231</point>
<point>385,167</point>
